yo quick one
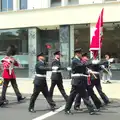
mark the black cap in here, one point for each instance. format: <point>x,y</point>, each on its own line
<point>78,50</point>
<point>40,54</point>
<point>84,54</point>
<point>57,53</point>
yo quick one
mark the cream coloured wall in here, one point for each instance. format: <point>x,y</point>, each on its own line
<point>80,14</point>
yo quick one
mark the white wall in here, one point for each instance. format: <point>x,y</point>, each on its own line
<point>16,5</point>
<point>90,1</point>
<point>59,16</point>
<point>35,4</point>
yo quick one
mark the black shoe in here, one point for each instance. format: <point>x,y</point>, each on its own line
<point>5,102</point>
<point>108,82</point>
<point>77,109</point>
<point>32,110</point>
<point>109,102</point>
<point>68,112</point>
<point>97,110</point>
<point>53,108</point>
<point>21,98</point>
<point>92,113</point>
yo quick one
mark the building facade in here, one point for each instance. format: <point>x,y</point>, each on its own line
<point>49,25</point>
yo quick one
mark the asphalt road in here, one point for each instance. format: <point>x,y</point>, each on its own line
<point>19,111</point>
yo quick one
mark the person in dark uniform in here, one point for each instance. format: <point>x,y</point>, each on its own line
<point>98,66</point>
<point>90,91</point>
<point>78,83</point>
<point>8,63</point>
<point>56,77</point>
<point>40,84</point>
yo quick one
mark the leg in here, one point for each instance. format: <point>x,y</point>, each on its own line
<point>17,92</point>
<point>94,97</point>
<point>53,83</point>
<point>102,94</point>
<point>71,98</point>
<point>104,77</point>
<point>47,96</point>
<point>77,102</point>
<point>4,89</point>
<point>34,96</point>
<point>86,100</point>
<point>61,88</point>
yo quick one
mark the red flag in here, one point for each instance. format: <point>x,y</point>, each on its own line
<point>96,42</point>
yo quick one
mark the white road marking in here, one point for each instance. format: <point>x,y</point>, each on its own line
<point>50,113</point>
<point>42,117</point>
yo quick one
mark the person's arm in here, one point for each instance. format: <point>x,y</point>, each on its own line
<point>57,65</point>
<point>41,66</point>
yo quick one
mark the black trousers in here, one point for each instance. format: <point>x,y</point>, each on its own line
<point>93,96</point>
<point>60,87</point>
<point>37,89</point>
<point>97,84</point>
<point>15,87</point>
<point>83,94</point>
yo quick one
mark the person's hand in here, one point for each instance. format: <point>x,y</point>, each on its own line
<point>20,66</point>
<point>55,68</point>
<point>69,68</point>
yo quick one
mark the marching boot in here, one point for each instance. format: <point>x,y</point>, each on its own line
<point>31,110</point>
<point>21,98</point>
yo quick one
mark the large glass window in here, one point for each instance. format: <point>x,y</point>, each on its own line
<point>6,5</point>
<point>82,37</point>
<point>73,2</point>
<point>18,37</point>
<point>23,4</point>
<point>111,42</point>
<point>55,3</point>
<point>48,42</point>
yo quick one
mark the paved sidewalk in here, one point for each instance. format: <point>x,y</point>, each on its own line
<point>26,87</point>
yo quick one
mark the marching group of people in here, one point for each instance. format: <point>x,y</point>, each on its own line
<point>84,73</point>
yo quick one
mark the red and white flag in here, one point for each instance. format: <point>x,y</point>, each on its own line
<point>96,42</point>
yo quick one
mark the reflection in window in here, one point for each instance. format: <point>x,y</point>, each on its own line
<point>73,2</point>
<point>23,4</point>
<point>10,4</point>
<point>18,37</point>
<point>55,3</point>
<point>7,5</point>
<point>111,41</point>
<point>82,37</point>
<point>50,42</point>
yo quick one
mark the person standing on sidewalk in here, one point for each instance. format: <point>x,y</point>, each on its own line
<point>8,62</point>
<point>107,74</point>
<point>56,77</point>
<point>40,84</point>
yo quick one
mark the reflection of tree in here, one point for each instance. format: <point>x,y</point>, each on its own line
<point>7,36</point>
<point>12,36</point>
<point>23,34</point>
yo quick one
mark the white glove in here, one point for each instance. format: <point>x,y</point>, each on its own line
<point>89,71</point>
<point>55,68</point>
<point>102,66</point>
<point>95,61</point>
<point>69,68</point>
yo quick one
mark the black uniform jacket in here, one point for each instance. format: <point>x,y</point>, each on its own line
<point>78,67</point>
<point>57,75</point>
<point>40,69</point>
